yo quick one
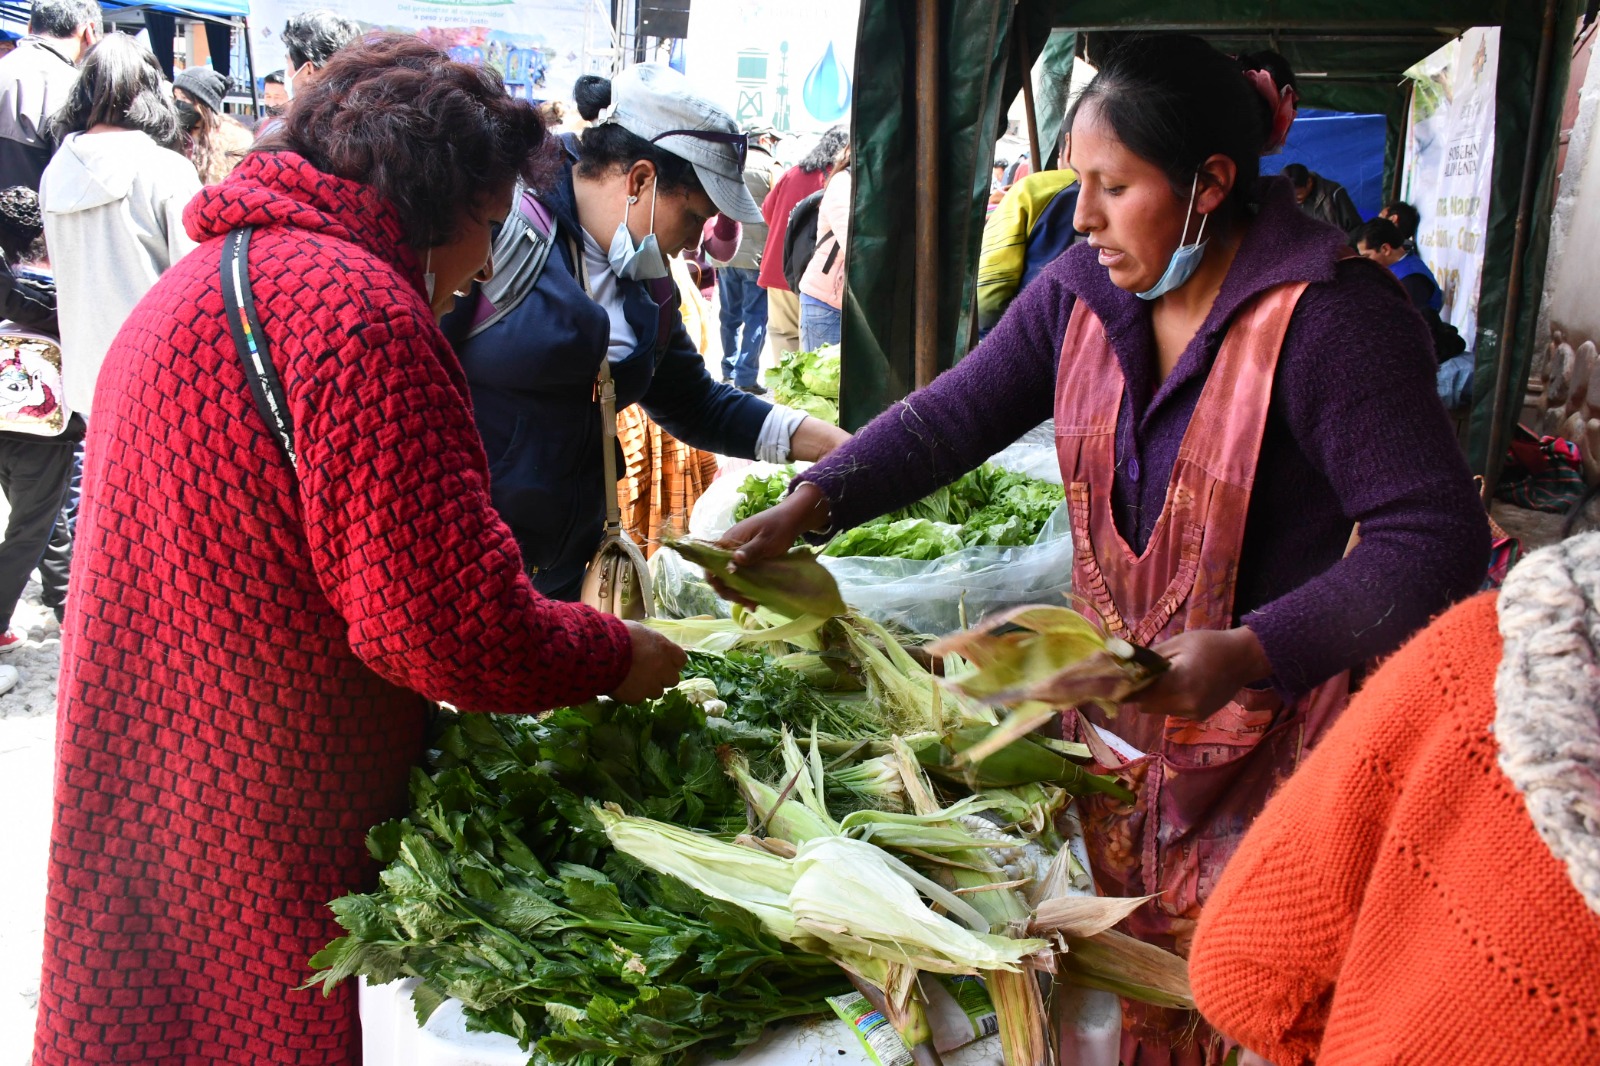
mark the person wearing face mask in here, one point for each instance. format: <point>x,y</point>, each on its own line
<point>310,40</point>
<point>274,95</point>
<point>1221,429</point>
<point>216,141</point>
<point>286,555</point>
<point>583,284</point>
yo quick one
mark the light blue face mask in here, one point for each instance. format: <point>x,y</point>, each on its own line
<point>644,262</point>
<point>1186,259</point>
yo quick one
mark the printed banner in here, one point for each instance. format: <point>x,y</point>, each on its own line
<point>784,63</point>
<point>540,47</point>
<point>1449,164</point>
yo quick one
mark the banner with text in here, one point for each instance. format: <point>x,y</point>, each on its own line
<point>1449,164</point>
<point>540,47</point>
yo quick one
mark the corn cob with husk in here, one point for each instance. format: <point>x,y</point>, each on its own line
<point>1019,1004</point>
<point>1037,660</point>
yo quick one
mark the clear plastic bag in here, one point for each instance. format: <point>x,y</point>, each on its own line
<point>938,596</point>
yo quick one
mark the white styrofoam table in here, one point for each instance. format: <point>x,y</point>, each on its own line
<point>390,1036</point>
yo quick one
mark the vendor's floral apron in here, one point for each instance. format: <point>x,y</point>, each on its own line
<point>1201,782</point>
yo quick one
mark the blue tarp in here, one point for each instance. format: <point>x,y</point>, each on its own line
<point>213,8</point>
<point>1343,147</point>
<point>18,10</point>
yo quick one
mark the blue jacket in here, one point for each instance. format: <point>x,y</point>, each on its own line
<point>1426,295</point>
<point>532,376</point>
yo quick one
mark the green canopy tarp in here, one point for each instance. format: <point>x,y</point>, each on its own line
<point>1356,52</point>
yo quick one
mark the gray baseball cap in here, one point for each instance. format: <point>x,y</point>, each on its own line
<point>653,101</point>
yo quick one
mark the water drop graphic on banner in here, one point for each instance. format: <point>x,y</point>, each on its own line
<point>826,93</point>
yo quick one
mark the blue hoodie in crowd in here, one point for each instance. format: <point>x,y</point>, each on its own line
<point>532,376</point>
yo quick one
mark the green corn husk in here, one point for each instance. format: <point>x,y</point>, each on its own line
<point>793,585</point>
<point>1019,645</point>
<point>1115,962</point>
<point>784,819</point>
<point>1019,1004</point>
<point>871,783</point>
<point>745,629</point>
<point>838,897</point>
<point>824,672</point>
<point>1037,659</point>
<point>897,683</point>
<point>1021,760</point>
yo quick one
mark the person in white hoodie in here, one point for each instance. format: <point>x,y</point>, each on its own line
<point>113,199</point>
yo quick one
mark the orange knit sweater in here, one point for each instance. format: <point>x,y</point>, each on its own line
<point>1393,903</point>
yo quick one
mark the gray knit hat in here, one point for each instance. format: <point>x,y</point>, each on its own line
<point>204,84</point>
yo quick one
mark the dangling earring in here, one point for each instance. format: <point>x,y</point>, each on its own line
<point>428,280</point>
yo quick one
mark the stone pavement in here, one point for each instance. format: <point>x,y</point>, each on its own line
<point>27,758</point>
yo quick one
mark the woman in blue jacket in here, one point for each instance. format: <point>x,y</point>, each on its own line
<point>580,277</point>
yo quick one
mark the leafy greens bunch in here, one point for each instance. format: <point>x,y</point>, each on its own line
<point>987,506</point>
<point>809,382</point>
<point>501,890</point>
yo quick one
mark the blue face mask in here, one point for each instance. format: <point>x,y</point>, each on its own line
<point>1186,260</point>
<point>644,262</point>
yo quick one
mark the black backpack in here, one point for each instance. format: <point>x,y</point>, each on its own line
<point>800,240</point>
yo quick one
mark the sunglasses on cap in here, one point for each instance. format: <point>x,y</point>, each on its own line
<point>740,141</point>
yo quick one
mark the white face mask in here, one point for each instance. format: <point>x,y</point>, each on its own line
<point>288,81</point>
<point>644,262</point>
<point>1186,259</point>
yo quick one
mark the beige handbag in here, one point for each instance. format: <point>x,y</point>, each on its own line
<point>618,579</point>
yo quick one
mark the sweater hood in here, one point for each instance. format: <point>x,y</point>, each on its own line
<point>1547,701</point>
<point>90,172</point>
<point>283,189</point>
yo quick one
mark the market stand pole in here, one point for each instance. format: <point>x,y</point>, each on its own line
<point>250,63</point>
<point>1494,460</point>
<point>1027,97</point>
<point>926,337</point>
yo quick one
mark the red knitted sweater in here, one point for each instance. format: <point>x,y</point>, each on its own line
<point>1394,903</point>
<point>248,646</point>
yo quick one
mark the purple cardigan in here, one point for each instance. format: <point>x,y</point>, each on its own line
<point>1355,433</point>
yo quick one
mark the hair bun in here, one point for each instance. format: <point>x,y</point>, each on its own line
<point>1270,75</point>
<point>592,94</point>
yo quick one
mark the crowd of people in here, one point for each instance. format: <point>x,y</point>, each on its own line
<point>347,398</point>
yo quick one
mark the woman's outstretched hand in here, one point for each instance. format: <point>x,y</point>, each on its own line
<point>1208,668</point>
<point>773,532</point>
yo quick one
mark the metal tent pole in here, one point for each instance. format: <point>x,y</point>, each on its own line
<point>1027,90</point>
<point>927,206</point>
<point>250,67</point>
<point>1494,457</point>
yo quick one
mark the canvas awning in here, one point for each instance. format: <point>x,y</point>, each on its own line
<point>1353,55</point>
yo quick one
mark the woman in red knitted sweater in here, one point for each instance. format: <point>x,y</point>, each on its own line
<point>1426,889</point>
<point>251,644</point>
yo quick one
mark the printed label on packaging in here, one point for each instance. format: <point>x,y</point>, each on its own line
<point>880,1040</point>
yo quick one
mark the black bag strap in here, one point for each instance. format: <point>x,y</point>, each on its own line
<point>250,340</point>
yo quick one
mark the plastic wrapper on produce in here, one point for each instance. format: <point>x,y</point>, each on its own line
<point>938,596</point>
<point>1034,454</point>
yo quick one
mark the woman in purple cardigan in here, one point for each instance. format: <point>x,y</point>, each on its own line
<point>1233,394</point>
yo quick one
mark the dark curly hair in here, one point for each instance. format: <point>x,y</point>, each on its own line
<point>432,136</point>
<point>21,228</point>
<point>825,153</point>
